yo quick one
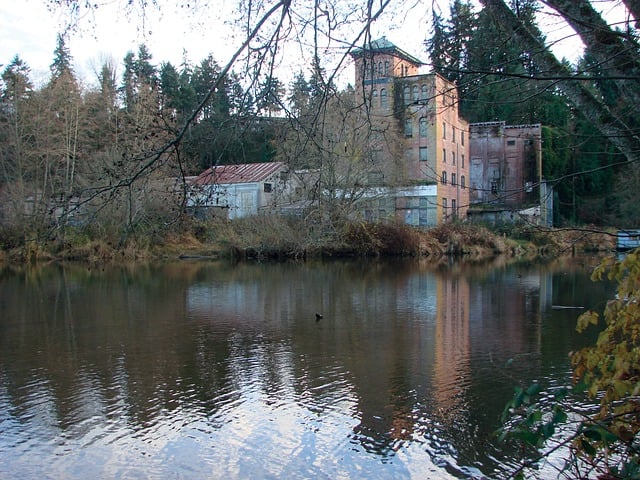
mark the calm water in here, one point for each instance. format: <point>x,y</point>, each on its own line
<point>211,370</point>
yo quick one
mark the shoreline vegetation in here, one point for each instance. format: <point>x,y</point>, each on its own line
<point>277,238</point>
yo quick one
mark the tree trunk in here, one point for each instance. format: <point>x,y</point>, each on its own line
<point>607,122</point>
<point>614,53</point>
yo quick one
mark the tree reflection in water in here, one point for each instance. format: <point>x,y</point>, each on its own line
<point>201,369</point>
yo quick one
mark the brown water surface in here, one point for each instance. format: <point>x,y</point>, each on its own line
<point>215,370</point>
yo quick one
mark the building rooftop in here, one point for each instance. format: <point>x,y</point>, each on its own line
<point>240,173</point>
<point>382,45</point>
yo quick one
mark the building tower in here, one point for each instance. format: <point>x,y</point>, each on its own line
<point>420,128</point>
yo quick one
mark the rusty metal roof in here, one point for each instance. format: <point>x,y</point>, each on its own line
<point>240,173</point>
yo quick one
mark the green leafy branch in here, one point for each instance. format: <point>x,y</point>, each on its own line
<point>603,444</point>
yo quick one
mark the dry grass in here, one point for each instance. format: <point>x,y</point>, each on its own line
<point>275,237</point>
<point>462,239</point>
<point>382,239</point>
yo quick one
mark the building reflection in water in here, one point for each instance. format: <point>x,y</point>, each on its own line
<point>404,357</point>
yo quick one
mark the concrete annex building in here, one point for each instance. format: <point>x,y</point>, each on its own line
<point>415,117</point>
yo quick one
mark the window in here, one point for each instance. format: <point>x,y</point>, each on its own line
<point>462,181</point>
<point>453,134</point>
<point>453,158</point>
<point>408,127</point>
<point>443,179</point>
<point>374,97</point>
<point>424,93</point>
<point>453,179</point>
<point>267,188</point>
<point>444,207</point>
<point>462,160</point>
<point>383,97</point>
<point>494,187</point>
<point>407,95</point>
<point>380,72</point>
<point>453,207</point>
<point>444,155</point>
<point>462,139</point>
<point>444,130</point>
<point>375,178</point>
<point>386,68</point>
<point>511,143</point>
<point>423,154</point>
<point>416,95</point>
<point>423,127</point>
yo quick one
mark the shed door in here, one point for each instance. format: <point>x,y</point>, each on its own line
<point>247,204</point>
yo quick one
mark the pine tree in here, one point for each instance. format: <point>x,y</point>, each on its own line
<point>436,46</point>
<point>16,80</point>
<point>62,61</point>
<point>299,94</point>
<point>271,95</point>
<point>128,88</point>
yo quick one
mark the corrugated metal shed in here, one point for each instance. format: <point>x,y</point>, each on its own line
<point>240,173</point>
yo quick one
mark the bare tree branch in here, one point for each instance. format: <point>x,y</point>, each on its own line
<point>594,109</point>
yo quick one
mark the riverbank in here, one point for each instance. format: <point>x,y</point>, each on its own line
<point>276,238</point>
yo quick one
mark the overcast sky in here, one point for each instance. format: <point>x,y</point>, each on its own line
<point>29,29</point>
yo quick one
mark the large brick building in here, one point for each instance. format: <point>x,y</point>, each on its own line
<point>505,181</point>
<point>415,117</point>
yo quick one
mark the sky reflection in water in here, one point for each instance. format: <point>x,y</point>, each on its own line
<point>199,370</point>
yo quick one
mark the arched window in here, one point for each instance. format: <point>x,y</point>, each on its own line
<point>383,97</point>
<point>423,127</point>
<point>424,92</point>
<point>408,127</point>
<point>386,68</point>
<point>374,97</point>
<point>407,95</point>
<point>415,93</point>
<point>380,71</point>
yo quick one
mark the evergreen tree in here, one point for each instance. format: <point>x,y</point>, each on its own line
<point>299,94</point>
<point>15,128</point>
<point>62,61</point>
<point>271,95</point>
<point>205,77</point>
<point>144,70</point>
<point>108,85</point>
<point>128,88</point>
<point>16,81</point>
<point>187,96</point>
<point>437,46</point>
<point>449,43</point>
<point>169,86</point>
